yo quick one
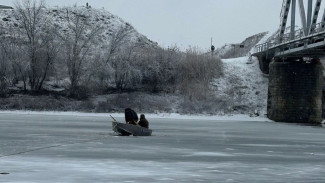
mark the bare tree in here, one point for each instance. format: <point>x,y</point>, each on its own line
<point>126,73</point>
<point>159,68</point>
<point>78,44</point>
<point>4,66</point>
<point>120,38</point>
<point>49,51</point>
<point>31,16</point>
<point>10,54</point>
<point>120,55</point>
<point>18,59</point>
<point>196,73</point>
<point>99,73</point>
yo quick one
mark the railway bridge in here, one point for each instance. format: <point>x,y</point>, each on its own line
<point>291,57</point>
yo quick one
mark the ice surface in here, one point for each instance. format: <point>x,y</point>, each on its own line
<point>80,147</point>
<point>237,117</point>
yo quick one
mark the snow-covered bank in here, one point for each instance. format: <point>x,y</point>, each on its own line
<point>243,86</point>
<point>238,117</point>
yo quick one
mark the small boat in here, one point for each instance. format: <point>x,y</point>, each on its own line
<point>128,129</point>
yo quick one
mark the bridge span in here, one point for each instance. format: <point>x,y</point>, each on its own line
<point>291,57</point>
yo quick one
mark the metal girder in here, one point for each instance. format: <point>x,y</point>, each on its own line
<point>310,40</point>
<point>284,16</point>
<point>309,13</point>
<point>315,17</point>
<point>323,22</point>
<point>303,16</point>
<point>293,20</point>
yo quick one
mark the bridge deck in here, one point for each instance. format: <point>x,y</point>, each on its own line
<point>312,45</point>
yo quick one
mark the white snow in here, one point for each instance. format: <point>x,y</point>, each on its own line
<point>238,117</point>
<point>243,83</point>
<point>60,16</point>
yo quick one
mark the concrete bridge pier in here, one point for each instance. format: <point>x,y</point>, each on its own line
<point>264,62</point>
<point>295,91</point>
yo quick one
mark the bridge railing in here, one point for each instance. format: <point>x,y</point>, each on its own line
<point>264,46</point>
<point>299,35</point>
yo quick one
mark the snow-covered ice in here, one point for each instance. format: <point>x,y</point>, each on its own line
<point>230,117</point>
<point>80,147</point>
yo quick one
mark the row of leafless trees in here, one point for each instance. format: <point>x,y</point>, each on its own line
<point>37,49</point>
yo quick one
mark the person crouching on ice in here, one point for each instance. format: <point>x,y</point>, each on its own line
<point>143,121</point>
<point>131,117</point>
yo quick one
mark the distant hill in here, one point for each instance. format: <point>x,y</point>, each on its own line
<point>5,7</point>
<point>58,16</point>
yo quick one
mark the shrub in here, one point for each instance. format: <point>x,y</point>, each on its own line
<point>80,93</point>
<point>3,88</point>
<point>196,72</point>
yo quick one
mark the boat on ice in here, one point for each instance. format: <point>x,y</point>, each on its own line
<point>128,129</point>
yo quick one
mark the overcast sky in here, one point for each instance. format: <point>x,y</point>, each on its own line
<point>191,22</point>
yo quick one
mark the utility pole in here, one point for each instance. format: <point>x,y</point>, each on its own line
<point>212,48</point>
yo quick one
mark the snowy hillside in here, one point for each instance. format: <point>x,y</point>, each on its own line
<point>173,81</point>
<point>59,16</point>
<point>243,85</point>
<point>241,49</point>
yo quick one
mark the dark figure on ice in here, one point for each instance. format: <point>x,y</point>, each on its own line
<point>131,117</point>
<point>143,121</point>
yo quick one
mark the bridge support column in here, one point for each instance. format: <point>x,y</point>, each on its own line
<point>295,92</point>
<point>264,62</point>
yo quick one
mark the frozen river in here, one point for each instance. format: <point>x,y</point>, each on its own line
<point>73,148</point>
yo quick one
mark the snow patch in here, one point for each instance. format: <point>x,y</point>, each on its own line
<point>239,117</point>
<point>243,83</point>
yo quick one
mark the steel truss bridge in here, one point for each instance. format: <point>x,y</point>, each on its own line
<point>289,42</point>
